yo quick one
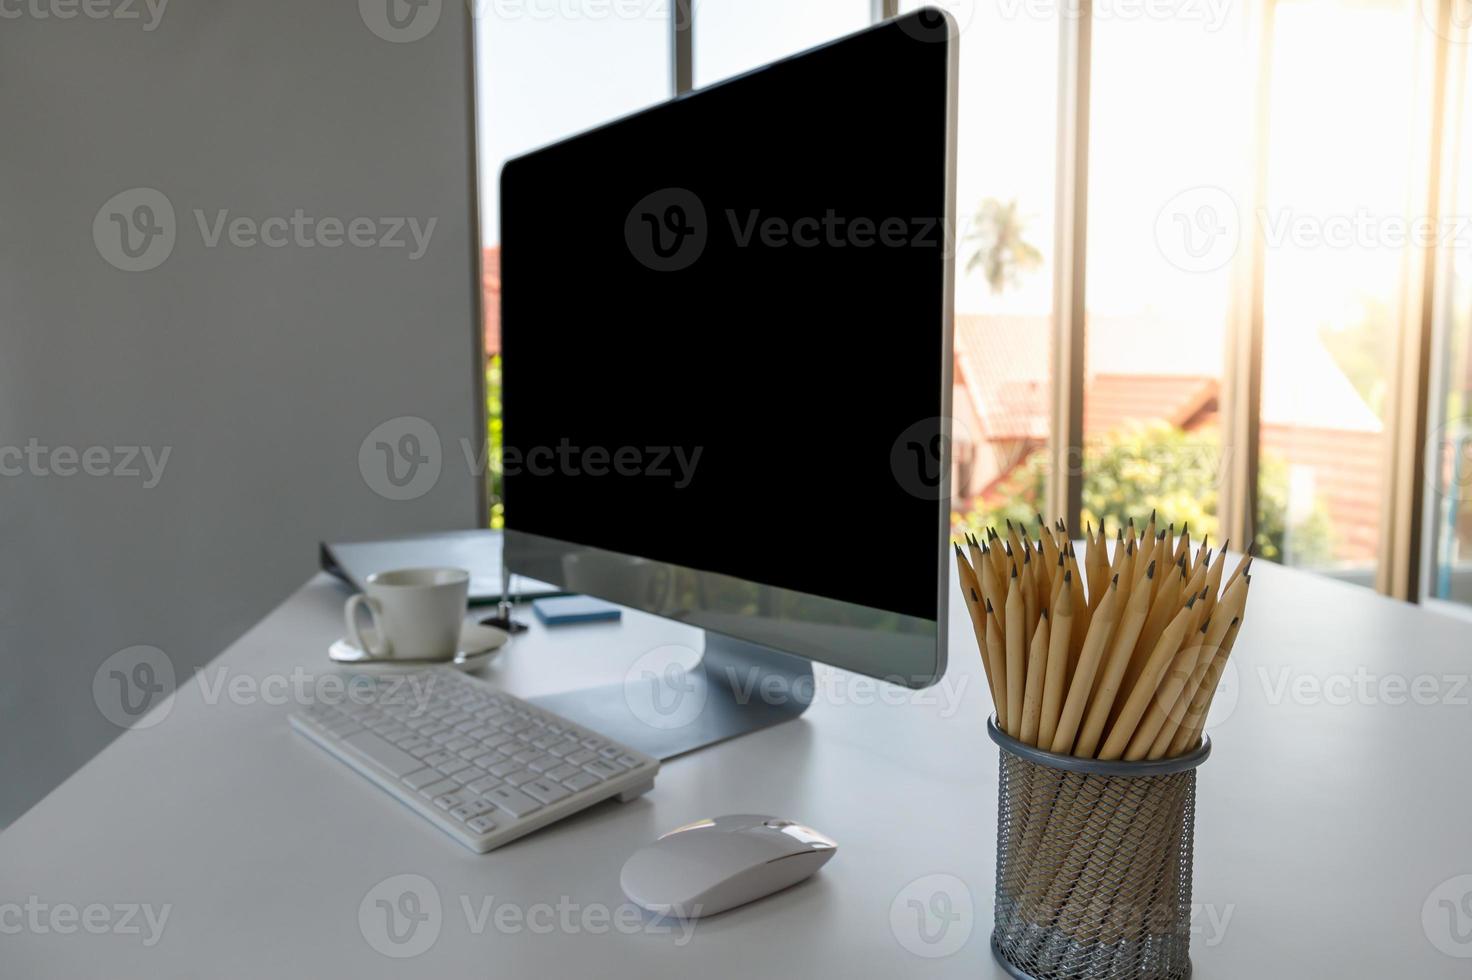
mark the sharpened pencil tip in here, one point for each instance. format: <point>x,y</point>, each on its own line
<point>1041,522</point>
<point>958,549</point>
<point>1152,515</point>
<point>1190,602</point>
<point>974,596</point>
<point>1235,621</point>
<point>1115,581</point>
<point>1150,572</point>
<point>1014,571</point>
<point>1205,625</point>
<point>1045,612</point>
<point>989,605</point>
<point>1068,577</point>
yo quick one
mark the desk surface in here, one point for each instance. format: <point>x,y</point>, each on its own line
<point>1331,836</point>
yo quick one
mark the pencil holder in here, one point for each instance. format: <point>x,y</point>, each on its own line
<point>1093,865</point>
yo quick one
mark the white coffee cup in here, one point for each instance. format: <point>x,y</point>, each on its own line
<point>417,613</point>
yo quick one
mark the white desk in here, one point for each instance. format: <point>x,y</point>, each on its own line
<point>1323,828</point>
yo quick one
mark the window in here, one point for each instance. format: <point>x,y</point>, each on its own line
<point>1005,162</point>
<point>543,73</point>
<point>1338,187</point>
<point>1236,246</point>
<point>733,36</point>
<point>1449,448</point>
<point>1163,185</point>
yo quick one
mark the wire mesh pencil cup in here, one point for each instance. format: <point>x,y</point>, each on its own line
<point>1093,865</point>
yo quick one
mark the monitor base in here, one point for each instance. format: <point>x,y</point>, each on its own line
<point>737,687</point>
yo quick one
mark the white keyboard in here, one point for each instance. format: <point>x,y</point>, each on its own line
<point>484,767</point>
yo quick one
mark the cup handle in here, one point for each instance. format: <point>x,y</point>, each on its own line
<point>375,612</point>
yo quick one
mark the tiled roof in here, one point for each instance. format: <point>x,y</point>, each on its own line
<point>490,292</point>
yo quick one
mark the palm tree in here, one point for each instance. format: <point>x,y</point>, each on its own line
<point>1000,251</point>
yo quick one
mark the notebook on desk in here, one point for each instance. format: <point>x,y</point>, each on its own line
<point>478,552</point>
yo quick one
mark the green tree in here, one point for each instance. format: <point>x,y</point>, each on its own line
<point>999,249</point>
<point>493,439</point>
<point>1158,467</point>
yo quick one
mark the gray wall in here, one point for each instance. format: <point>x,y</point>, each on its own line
<point>261,370</point>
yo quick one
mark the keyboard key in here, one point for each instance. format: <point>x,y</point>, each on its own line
<point>384,753</point>
<point>526,755</point>
<point>449,801</point>
<point>628,760</point>
<point>438,789</point>
<point>468,775</point>
<point>481,825</point>
<point>582,756</point>
<point>563,747</point>
<point>603,769</point>
<point>453,766</point>
<point>479,733</point>
<point>487,760</point>
<point>483,785</point>
<point>610,752</point>
<point>544,790</point>
<point>547,740</point>
<point>513,801</point>
<point>580,782</point>
<point>544,762</point>
<point>504,767</point>
<point>422,778</point>
<point>520,776</point>
<point>562,772</point>
<point>474,808</point>
<point>475,751</point>
<point>456,744</point>
<point>437,758</point>
<point>495,739</point>
<point>594,743</point>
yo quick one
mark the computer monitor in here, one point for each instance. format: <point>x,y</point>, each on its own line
<point>726,339</point>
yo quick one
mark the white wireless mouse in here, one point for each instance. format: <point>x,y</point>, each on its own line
<point>709,866</point>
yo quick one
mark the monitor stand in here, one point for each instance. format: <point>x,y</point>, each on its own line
<point>737,687</point>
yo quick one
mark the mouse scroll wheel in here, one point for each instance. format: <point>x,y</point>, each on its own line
<point>780,824</point>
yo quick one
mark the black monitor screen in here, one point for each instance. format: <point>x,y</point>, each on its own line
<point>721,316</point>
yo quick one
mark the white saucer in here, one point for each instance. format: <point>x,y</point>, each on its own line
<point>478,644</point>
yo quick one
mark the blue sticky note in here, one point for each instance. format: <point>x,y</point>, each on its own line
<point>562,610</point>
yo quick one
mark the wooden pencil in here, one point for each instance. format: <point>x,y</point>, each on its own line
<point>1101,627</point>
<point>1032,694</point>
<point>1016,638</point>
